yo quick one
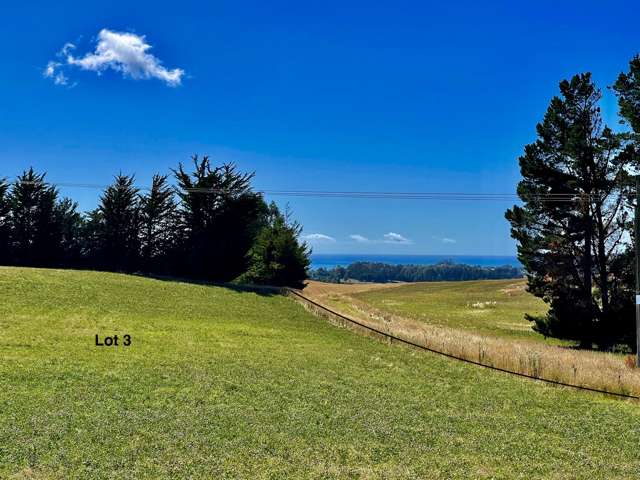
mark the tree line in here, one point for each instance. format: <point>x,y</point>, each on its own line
<point>575,228</point>
<point>210,226</point>
<point>384,272</point>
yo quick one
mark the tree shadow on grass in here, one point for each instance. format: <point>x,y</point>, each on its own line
<point>262,290</point>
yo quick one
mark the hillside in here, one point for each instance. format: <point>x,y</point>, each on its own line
<point>224,384</point>
<point>494,307</point>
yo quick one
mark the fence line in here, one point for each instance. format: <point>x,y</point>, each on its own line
<point>343,320</point>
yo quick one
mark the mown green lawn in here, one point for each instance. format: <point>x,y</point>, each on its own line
<point>223,384</point>
<point>493,307</point>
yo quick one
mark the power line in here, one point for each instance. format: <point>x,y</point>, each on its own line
<point>383,195</point>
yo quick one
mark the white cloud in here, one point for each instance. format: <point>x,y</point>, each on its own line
<point>392,237</point>
<point>66,49</point>
<point>359,238</point>
<point>52,72</point>
<point>444,239</point>
<point>318,237</point>
<point>123,52</point>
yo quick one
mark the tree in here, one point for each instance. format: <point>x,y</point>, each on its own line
<point>571,246</point>
<point>70,226</point>
<point>277,257</point>
<point>384,272</point>
<point>627,89</point>
<point>207,235</point>
<point>36,233</point>
<point>91,239</point>
<point>5,223</point>
<point>115,227</point>
<point>157,224</point>
<point>220,216</point>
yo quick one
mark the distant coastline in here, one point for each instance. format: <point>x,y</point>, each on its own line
<point>329,261</point>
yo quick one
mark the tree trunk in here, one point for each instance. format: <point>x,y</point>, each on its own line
<point>587,266</point>
<point>602,265</point>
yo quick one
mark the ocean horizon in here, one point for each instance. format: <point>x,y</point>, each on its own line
<point>329,260</point>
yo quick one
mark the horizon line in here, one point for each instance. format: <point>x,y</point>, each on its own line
<point>423,254</point>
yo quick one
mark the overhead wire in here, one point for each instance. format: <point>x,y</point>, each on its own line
<point>377,195</point>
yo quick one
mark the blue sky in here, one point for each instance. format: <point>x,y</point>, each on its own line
<point>357,96</point>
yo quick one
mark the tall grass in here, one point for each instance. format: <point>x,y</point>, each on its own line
<point>599,370</point>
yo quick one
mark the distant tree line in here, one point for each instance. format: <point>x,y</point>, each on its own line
<point>384,272</point>
<point>210,226</point>
<point>575,228</point>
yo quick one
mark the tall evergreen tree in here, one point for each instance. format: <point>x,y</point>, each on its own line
<point>70,226</point>
<point>207,236</point>
<point>115,227</point>
<point>278,257</point>
<point>627,89</point>
<point>34,225</point>
<point>157,224</point>
<point>5,223</point>
<point>91,239</point>
<point>221,216</point>
<point>571,249</point>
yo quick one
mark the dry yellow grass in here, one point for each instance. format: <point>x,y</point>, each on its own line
<point>598,370</point>
<point>318,290</point>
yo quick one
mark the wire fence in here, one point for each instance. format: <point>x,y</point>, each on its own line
<point>346,321</point>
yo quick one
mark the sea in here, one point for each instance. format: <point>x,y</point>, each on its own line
<point>328,260</point>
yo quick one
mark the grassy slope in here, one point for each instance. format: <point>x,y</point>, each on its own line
<point>452,304</point>
<point>223,384</point>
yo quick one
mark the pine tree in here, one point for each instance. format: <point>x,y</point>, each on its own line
<point>627,89</point>
<point>34,226</point>
<point>91,240</point>
<point>157,224</point>
<point>277,257</point>
<point>220,216</point>
<point>115,227</point>
<point>571,248</point>
<point>70,225</point>
<point>5,223</point>
<point>208,235</point>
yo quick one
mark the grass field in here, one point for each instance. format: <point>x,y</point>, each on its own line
<point>489,307</point>
<point>482,321</point>
<point>224,384</point>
